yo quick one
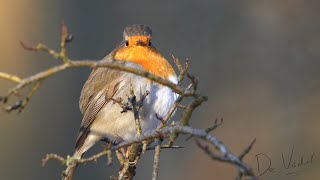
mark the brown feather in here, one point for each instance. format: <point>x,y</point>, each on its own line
<point>100,87</point>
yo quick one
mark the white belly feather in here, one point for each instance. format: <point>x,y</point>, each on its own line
<point>121,126</point>
<point>160,100</point>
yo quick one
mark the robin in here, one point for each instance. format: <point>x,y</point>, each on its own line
<point>102,118</point>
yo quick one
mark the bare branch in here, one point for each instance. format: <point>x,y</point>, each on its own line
<point>156,160</point>
<point>247,149</point>
<point>165,147</point>
<point>181,106</point>
<point>93,64</point>
<point>70,159</point>
<point>20,105</point>
<point>166,131</point>
<point>41,48</point>
<point>217,122</point>
<point>123,171</point>
<point>182,70</point>
<point>48,157</point>
<point>189,110</point>
<point>226,155</point>
<point>194,81</point>
<point>10,77</point>
<point>133,100</point>
<point>228,158</point>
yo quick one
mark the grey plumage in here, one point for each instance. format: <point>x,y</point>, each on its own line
<point>137,30</point>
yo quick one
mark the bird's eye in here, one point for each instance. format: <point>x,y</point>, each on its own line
<point>149,44</point>
<point>127,44</point>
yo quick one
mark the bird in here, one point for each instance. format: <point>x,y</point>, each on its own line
<point>102,118</point>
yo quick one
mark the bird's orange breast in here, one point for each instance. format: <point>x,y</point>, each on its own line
<point>148,58</point>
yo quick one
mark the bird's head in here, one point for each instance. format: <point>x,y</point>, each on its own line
<point>137,35</point>
<point>136,38</point>
<point>136,47</point>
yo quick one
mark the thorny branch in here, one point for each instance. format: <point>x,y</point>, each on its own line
<point>165,131</point>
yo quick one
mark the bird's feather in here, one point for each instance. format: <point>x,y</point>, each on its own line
<point>100,87</point>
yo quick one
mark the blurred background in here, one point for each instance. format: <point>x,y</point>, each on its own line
<point>258,61</point>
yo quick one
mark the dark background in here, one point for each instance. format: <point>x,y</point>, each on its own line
<point>258,61</point>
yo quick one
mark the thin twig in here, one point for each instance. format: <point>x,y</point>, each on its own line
<point>41,48</point>
<point>156,160</point>
<point>78,161</point>
<point>181,106</point>
<point>64,35</point>
<point>109,158</point>
<point>217,122</point>
<point>182,70</point>
<point>171,111</point>
<point>10,77</point>
<point>194,81</point>
<point>197,101</point>
<point>165,147</point>
<point>166,131</point>
<point>21,104</point>
<point>94,64</point>
<point>48,157</point>
<point>133,100</point>
<point>228,158</point>
<point>191,107</point>
<point>247,149</point>
<point>29,96</point>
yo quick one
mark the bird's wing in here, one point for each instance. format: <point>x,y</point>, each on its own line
<point>100,87</point>
<point>96,82</point>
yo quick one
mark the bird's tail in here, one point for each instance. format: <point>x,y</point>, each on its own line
<point>71,169</point>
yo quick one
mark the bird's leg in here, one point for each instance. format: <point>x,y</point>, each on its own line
<point>120,157</point>
<point>127,170</point>
<point>145,145</point>
<point>123,151</point>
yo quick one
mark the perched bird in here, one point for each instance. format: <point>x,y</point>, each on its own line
<point>102,118</point>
